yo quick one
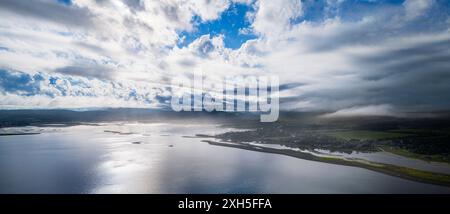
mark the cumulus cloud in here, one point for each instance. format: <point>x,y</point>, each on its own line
<point>205,45</point>
<point>41,90</point>
<point>122,36</point>
<point>273,18</point>
<point>380,58</point>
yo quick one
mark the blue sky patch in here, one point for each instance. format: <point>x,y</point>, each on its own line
<point>230,24</point>
<point>65,2</point>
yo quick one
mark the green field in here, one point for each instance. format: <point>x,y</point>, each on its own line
<point>411,131</point>
<point>422,131</point>
<point>367,135</point>
<point>408,154</point>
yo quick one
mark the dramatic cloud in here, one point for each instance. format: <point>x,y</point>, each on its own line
<point>40,90</point>
<point>375,110</point>
<point>273,18</point>
<point>348,57</point>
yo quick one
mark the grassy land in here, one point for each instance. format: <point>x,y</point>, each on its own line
<point>445,131</point>
<point>411,131</point>
<point>408,154</point>
<point>367,135</point>
<point>423,176</point>
<point>392,134</point>
<point>398,171</point>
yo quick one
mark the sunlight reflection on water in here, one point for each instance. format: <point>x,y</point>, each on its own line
<point>157,158</point>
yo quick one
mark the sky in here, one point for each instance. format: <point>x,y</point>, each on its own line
<point>341,56</point>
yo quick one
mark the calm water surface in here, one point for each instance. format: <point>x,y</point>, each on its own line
<point>157,158</point>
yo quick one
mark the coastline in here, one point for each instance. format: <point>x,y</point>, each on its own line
<point>389,169</point>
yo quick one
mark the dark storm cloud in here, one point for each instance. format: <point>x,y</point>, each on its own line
<point>384,24</point>
<point>412,77</point>
<point>426,50</point>
<point>50,11</point>
<point>403,63</point>
<point>416,75</point>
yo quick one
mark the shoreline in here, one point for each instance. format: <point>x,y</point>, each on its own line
<point>389,169</point>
